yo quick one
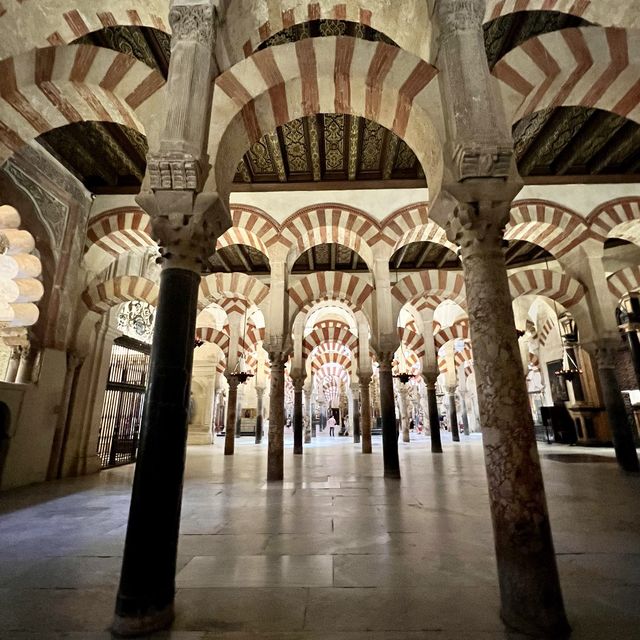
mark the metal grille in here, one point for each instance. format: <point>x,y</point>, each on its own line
<point>123,405</point>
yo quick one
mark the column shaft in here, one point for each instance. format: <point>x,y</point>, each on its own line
<point>147,583</point>
<point>297,422</point>
<point>389,428</point>
<point>623,442</point>
<point>275,461</point>
<point>634,347</point>
<point>365,416</point>
<point>434,418</point>
<point>259,411</point>
<point>453,414</point>
<point>356,417</point>
<point>529,584</point>
<point>232,416</point>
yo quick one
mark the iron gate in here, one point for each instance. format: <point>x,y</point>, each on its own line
<point>123,403</point>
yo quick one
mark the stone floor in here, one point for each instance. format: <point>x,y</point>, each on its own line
<point>335,552</point>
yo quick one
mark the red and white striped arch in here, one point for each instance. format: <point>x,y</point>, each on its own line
<point>100,297</point>
<point>412,224</point>
<point>352,290</point>
<point>214,336</point>
<point>546,225</point>
<point>323,357</point>
<point>329,331</point>
<point>59,22</point>
<point>330,224</point>
<point>115,232</point>
<point>623,14</point>
<point>325,75</point>
<point>428,288</point>
<point>218,287</point>
<point>457,331</point>
<point>252,227</point>
<point>617,219</point>
<point>562,288</point>
<point>336,371</point>
<point>412,341</point>
<point>584,67</point>
<point>546,329</point>
<point>250,22</point>
<point>459,358</point>
<point>624,281</point>
<point>49,88</point>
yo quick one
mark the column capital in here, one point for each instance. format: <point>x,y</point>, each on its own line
<point>459,15</point>
<point>232,380</point>
<point>430,378</point>
<point>451,389</point>
<point>385,359</point>
<point>193,21</point>
<point>278,359</point>
<point>298,384</point>
<point>186,224</point>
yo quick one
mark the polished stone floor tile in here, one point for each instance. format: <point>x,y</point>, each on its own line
<point>336,552</point>
<point>257,571</point>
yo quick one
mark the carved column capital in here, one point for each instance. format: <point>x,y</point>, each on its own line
<point>193,22</point>
<point>298,384</point>
<point>385,359</point>
<point>277,360</point>
<point>186,225</point>
<point>478,227</point>
<point>459,15</point>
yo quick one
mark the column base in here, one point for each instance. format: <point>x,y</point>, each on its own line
<point>138,626</point>
<point>436,450</point>
<point>561,630</point>
<point>392,473</point>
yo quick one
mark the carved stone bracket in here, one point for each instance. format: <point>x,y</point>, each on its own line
<point>476,161</point>
<point>175,171</point>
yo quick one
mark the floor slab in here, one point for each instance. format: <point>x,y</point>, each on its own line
<point>335,552</point>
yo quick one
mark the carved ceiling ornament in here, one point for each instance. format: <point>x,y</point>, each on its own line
<point>136,319</point>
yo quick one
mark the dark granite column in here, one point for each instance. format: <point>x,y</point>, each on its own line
<point>605,352</point>
<point>434,417</point>
<point>365,412</point>
<point>147,582</point>
<point>260,413</point>
<point>275,460</point>
<point>307,411</point>
<point>355,408</point>
<point>388,411</point>
<point>464,414</point>
<point>453,414</point>
<point>297,416</point>
<point>232,416</point>
<point>634,347</point>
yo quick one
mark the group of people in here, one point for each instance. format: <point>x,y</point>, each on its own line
<point>332,423</point>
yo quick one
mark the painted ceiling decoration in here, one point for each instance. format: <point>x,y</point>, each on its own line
<point>554,145</point>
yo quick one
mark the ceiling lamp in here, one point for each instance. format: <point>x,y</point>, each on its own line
<point>568,331</point>
<point>240,372</point>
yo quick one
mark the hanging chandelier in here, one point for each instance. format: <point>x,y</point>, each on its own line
<point>240,372</point>
<point>569,336</point>
<point>403,375</point>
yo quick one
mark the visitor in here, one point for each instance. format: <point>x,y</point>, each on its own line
<point>331,423</point>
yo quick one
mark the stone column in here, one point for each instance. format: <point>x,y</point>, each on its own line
<point>529,584</point>
<point>605,352</point>
<point>479,183</point>
<point>404,411</point>
<point>187,224</point>
<point>634,347</point>
<point>434,417</point>
<point>259,412</point>
<point>27,362</point>
<point>464,414</point>
<point>355,413</point>
<point>232,415</point>
<point>14,364</point>
<point>388,412</point>
<point>308,416</point>
<point>365,412</point>
<point>298,385</point>
<point>453,413</point>
<point>275,461</point>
